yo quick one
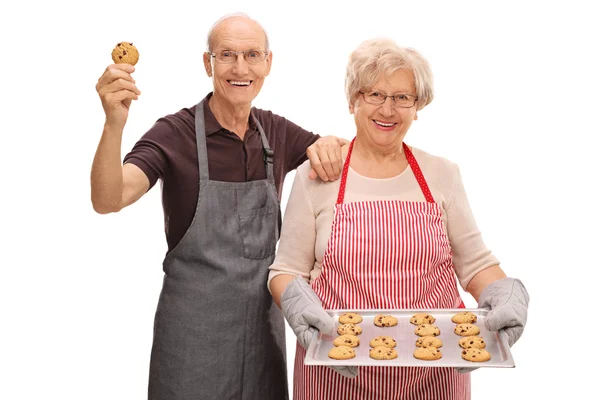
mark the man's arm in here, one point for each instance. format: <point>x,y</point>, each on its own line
<point>324,153</point>
<point>325,157</point>
<point>115,186</point>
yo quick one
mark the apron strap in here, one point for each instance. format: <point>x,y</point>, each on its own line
<point>412,162</point>
<point>342,190</point>
<point>267,152</point>
<point>201,143</point>
<point>202,151</point>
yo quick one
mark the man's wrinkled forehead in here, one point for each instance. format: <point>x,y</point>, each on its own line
<point>236,32</point>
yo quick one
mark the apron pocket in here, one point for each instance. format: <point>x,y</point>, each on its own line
<point>257,228</point>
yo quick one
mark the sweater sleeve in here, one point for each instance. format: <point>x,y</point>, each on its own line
<point>469,252</point>
<point>296,251</point>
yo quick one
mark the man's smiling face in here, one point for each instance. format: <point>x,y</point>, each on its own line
<point>239,82</point>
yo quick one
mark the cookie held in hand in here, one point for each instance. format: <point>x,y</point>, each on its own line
<point>125,53</point>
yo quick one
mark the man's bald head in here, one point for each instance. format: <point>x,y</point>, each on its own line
<point>232,21</point>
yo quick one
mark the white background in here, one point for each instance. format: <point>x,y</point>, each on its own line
<point>516,99</point>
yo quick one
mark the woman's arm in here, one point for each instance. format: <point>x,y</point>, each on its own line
<point>483,278</point>
<point>479,271</point>
<point>295,259</point>
<point>296,252</point>
<point>278,285</point>
<point>470,255</point>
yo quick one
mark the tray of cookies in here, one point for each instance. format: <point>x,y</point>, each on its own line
<point>411,338</point>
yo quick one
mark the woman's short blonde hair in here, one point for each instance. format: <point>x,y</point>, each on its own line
<point>376,56</point>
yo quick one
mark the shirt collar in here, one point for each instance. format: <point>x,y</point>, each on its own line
<point>212,126</point>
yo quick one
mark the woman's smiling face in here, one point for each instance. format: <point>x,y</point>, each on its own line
<point>384,126</point>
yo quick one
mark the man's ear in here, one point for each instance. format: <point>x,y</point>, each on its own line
<point>207,64</point>
<point>269,61</point>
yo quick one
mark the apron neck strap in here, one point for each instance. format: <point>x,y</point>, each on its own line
<point>201,142</point>
<point>414,165</point>
<point>412,162</point>
<point>267,152</point>
<point>342,190</point>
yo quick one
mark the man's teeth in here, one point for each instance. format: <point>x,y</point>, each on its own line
<point>383,124</point>
<point>240,83</point>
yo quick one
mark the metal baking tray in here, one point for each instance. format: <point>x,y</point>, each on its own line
<point>405,337</point>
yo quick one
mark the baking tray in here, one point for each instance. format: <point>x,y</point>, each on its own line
<point>405,337</point>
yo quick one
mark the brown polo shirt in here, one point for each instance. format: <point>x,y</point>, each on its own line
<point>168,151</point>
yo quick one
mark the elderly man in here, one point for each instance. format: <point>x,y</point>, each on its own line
<point>217,334</point>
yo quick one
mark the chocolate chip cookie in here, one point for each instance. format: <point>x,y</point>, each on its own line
<point>125,53</point>
<point>427,330</point>
<point>341,353</point>
<point>428,341</point>
<point>464,317</point>
<point>385,341</point>
<point>475,355</point>
<point>427,353</point>
<point>350,318</point>
<point>422,318</point>
<point>383,353</point>
<point>382,320</point>
<point>466,330</point>
<point>349,329</point>
<point>346,340</point>
<point>474,342</point>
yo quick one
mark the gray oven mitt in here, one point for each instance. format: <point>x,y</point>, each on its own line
<point>507,299</point>
<point>304,313</point>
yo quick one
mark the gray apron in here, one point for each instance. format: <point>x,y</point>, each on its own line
<point>217,332</point>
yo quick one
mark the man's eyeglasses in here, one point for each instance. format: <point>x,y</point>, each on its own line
<point>399,100</point>
<point>230,56</point>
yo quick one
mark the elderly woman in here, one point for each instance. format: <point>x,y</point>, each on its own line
<point>395,232</point>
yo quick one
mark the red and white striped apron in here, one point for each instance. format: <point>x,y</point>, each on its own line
<point>385,255</point>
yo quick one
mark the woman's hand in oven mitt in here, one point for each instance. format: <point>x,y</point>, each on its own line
<point>304,313</point>
<point>508,300</point>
